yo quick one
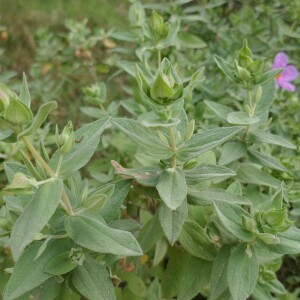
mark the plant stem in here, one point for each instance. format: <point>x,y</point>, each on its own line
<point>158,58</point>
<point>60,159</point>
<point>250,102</point>
<point>251,112</point>
<point>67,205</point>
<point>173,147</point>
<point>37,156</point>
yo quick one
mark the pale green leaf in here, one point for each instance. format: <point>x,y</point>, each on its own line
<point>172,188</point>
<point>232,151</point>
<point>242,273</point>
<point>39,119</point>
<point>230,216</point>
<point>204,141</point>
<point>147,139</point>
<point>205,172</point>
<point>172,221</point>
<point>92,281</point>
<point>90,231</point>
<point>36,216</point>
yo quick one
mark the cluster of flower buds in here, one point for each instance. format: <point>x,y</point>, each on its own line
<point>165,88</point>
<point>273,220</point>
<point>247,70</point>
<point>95,93</point>
<point>158,29</point>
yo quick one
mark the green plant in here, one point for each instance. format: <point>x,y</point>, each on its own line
<point>202,208</point>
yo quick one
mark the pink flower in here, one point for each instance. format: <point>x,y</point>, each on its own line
<point>289,73</point>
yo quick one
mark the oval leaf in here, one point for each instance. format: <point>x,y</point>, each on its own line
<point>35,216</point>
<point>91,232</point>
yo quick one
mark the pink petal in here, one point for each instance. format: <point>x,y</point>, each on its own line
<point>286,85</point>
<point>289,73</point>
<point>280,61</point>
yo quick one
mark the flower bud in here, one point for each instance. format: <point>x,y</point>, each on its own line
<point>21,184</point>
<point>249,224</point>
<point>257,94</point>
<point>242,73</point>
<point>245,55</point>
<point>66,140</point>
<point>4,100</point>
<point>158,28</point>
<point>268,238</point>
<point>162,88</point>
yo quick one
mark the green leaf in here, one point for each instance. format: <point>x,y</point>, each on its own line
<point>24,92</point>
<point>225,67</point>
<point>266,160</point>
<point>242,273</point>
<point>241,118</point>
<point>60,264</point>
<point>208,197</point>
<point>12,168</point>
<point>269,75</point>
<point>205,172</point>
<point>88,138</point>
<point>29,273</point>
<point>173,275</point>
<point>220,110</point>
<point>111,208</point>
<point>269,138</point>
<point>190,41</point>
<point>204,141</point>
<point>172,188</point>
<point>171,221</point>
<point>230,216</point>
<point>135,284</point>
<point>219,273</point>
<point>17,112</point>
<point>49,290</point>
<point>195,278</point>
<point>40,118</point>
<point>195,240</point>
<point>146,176</point>
<point>36,216</point>
<point>150,234</point>
<point>232,151</point>
<point>267,99</point>
<point>250,174</point>
<point>147,139</point>
<point>289,242</point>
<point>90,231</point>
<point>92,281</point>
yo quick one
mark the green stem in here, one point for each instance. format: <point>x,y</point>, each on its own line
<point>250,102</point>
<point>60,159</point>
<point>67,205</point>
<point>158,58</point>
<point>173,147</point>
<point>37,156</point>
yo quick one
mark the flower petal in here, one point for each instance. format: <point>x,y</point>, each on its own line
<point>290,73</point>
<point>286,85</point>
<point>280,61</point>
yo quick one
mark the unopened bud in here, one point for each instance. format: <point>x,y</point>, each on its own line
<point>242,73</point>
<point>4,100</point>
<point>66,140</point>
<point>257,94</point>
<point>21,184</point>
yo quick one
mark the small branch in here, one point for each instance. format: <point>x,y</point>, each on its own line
<point>67,205</point>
